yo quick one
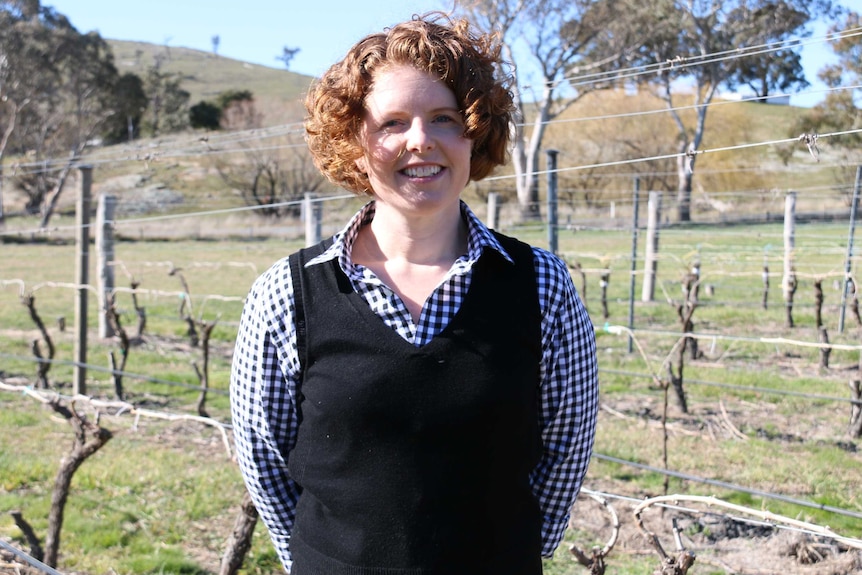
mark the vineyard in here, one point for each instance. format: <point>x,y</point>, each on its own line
<point>718,260</point>
<point>729,428</point>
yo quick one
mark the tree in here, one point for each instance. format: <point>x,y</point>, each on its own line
<point>287,55</point>
<point>770,26</point>
<point>87,67</point>
<point>563,37</point>
<point>624,133</point>
<point>167,110</point>
<point>27,69</point>
<point>840,110</point>
<point>685,40</point>
<point>271,178</point>
<point>238,111</point>
<point>205,115</point>
<point>57,85</point>
<point>130,103</point>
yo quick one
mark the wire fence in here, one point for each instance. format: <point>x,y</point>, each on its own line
<point>732,264</point>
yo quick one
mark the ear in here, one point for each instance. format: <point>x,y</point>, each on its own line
<point>362,165</point>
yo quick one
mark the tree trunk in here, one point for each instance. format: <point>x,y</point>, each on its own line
<point>855,429</point>
<point>824,351</point>
<point>81,450</point>
<point>240,538</point>
<point>683,193</point>
<point>51,204</point>
<point>203,374</point>
<point>2,214</point>
<point>818,303</point>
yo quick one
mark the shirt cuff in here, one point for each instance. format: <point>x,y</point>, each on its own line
<point>552,534</point>
<point>282,549</point>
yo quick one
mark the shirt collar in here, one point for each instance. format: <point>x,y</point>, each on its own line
<point>479,238</point>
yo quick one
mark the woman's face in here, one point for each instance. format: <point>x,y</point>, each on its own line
<point>416,155</point>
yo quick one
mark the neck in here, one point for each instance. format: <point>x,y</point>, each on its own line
<point>436,239</point>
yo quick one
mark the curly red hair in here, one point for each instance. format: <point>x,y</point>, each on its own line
<point>446,48</point>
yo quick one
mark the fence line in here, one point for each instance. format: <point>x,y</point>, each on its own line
<point>677,155</point>
<point>609,328</point>
<point>692,106</point>
<point>765,515</point>
<point>701,59</point>
<point>671,505</point>
<point>101,369</point>
<point>32,561</point>
<point>122,407</point>
<point>751,388</point>
<point>625,331</point>
<point>729,486</point>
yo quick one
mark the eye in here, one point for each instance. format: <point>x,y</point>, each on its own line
<point>446,118</point>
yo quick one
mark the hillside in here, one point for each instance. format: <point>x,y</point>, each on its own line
<point>205,75</point>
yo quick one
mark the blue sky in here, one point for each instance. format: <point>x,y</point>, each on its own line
<point>257,30</point>
<point>249,30</point>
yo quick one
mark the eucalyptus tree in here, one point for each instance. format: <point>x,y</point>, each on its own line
<point>557,39</point>
<point>167,108</point>
<point>694,47</point>
<point>57,91</point>
<point>27,70</point>
<point>87,101</point>
<point>841,109</point>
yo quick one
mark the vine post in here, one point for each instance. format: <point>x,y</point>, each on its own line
<point>634,266</point>
<point>82,265</point>
<point>651,256</point>
<point>848,261</point>
<point>313,212</point>
<point>494,211</point>
<point>552,200</point>
<point>789,281</point>
<point>105,259</point>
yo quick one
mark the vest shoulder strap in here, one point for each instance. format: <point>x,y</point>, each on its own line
<point>297,261</point>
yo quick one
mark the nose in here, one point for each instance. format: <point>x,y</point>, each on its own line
<point>419,137</point>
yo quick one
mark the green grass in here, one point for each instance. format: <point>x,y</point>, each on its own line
<point>161,497</point>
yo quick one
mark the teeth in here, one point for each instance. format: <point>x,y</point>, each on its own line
<point>422,171</point>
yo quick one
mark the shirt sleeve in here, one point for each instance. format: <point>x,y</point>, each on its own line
<point>568,397</point>
<point>263,387</point>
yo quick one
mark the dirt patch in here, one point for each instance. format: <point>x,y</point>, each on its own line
<point>721,540</point>
<point>717,541</point>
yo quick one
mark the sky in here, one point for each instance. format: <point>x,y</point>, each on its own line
<point>256,31</point>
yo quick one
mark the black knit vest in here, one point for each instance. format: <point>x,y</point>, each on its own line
<point>416,460</point>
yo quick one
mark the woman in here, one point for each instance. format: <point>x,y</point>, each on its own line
<point>417,395</point>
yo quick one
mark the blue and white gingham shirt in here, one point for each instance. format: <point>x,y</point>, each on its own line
<point>265,370</point>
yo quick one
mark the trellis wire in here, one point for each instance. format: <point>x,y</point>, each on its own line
<point>32,561</point>
<point>729,486</point>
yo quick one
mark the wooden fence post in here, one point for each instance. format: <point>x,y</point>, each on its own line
<point>82,265</point>
<point>789,282</point>
<point>848,261</point>
<point>552,200</point>
<point>312,212</point>
<point>105,260</point>
<point>651,256</point>
<point>2,215</point>
<point>494,211</point>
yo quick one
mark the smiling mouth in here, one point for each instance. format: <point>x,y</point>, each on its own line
<point>422,171</point>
